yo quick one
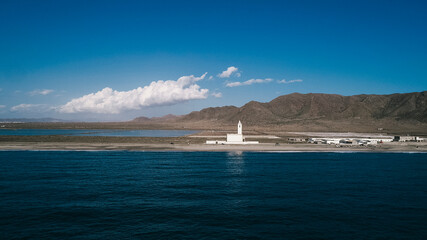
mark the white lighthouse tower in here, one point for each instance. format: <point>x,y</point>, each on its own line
<point>236,138</point>
<point>233,138</point>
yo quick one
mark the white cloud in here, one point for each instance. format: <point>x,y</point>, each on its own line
<point>249,82</point>
<point>157,93</point>
<point>30,108</point>
<point>2,106</point>
<point>290,81</point>
<point>238,74</point>
<point>41,92</point>
<point>217,95</point>
<point>227,73</point>
<point>210,77</point>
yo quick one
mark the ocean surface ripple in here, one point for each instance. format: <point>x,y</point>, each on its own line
<point>212,195</point>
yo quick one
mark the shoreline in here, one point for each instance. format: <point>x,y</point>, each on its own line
<point>199,147</point>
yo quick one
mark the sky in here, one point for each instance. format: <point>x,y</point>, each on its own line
<point>117,60</point>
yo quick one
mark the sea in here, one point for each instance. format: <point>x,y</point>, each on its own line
<point>212,195</point>
<point>96,132</point>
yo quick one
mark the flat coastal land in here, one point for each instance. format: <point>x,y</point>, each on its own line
<point>186,143</point>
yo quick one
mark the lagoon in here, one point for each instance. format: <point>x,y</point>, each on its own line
<point>96,132</point>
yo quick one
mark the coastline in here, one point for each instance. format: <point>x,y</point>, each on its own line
<point>200,147</point>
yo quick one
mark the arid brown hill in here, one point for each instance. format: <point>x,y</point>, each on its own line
<point>296,106</point>
<point>315,107</point>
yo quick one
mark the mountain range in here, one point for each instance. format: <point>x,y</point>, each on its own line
<point>314,108</point>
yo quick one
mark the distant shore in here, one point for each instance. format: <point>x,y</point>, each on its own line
<point>263,147</point>
<point>194,142</point>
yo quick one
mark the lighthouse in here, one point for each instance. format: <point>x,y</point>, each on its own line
<point>236,138</point>
<point>233,138</point>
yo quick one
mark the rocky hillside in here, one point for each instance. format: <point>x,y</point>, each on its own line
<point>315,106</point>
<point>315,109</point>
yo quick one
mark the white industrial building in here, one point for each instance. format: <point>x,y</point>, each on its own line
<point>408,139</point>
<point>233,138</point>
<point>351,141</point>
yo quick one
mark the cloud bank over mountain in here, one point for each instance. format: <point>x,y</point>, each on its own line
<point>156,94</point>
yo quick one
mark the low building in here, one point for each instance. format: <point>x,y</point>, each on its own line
<point>351,141</point>
<point>296,139</point>
<point>407,139</point>
<point>379,140</point>
<point>347,141</point>
<point>332,141</point>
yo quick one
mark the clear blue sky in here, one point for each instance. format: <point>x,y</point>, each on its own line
<point>53,54</point>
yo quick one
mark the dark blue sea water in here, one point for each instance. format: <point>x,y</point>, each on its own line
<point>97,132</point>
<point>212,195</point>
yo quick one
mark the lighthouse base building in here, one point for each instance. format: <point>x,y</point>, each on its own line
<point>233,138</point>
